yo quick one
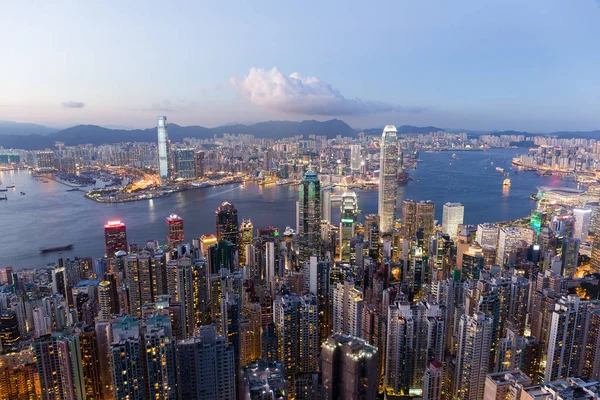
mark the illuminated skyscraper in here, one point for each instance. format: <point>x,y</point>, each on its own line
<point>199,164</point>
<point>452,216</point>
<point>160,359</point>
<point>105,299</point>
<point>9,331</point>
<point>227,223</point>
<point>309,215</point>
<point>472,359</point>
<point>355,157</point>
<point>58,360</point>
<point>246,239</point>
<point>126,360</point>
<point>185,163</point>
<point>163,148</point>
<point>432,381</point>
<point>115,237</point>
<point>426,217</point>
<point>347,309</point>
<point>349,214</point>
<point>388,175</point>
<point>349,368</point>
<point>174,230</point>
<point>595,257</point>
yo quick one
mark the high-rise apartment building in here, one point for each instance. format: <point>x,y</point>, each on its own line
<point>347,309</point>
<point>309,215</point>
<point>163,148</point>
<point>159,355</point>
<point>348,217</point>
<point>433,381</point>
<point>388,180</point>
<point>355,158</point>
<point>350,368</point>
<point>115,237</point>
<point>452,216</point>
<point>473,356</point>
<point>126,360</point>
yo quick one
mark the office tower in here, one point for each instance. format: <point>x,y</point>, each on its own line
<point>205,242</point>
<point>487,235</point>
<point>425,217</point>
<point>45,161</point>
<point>19,379</point>
<point>566,338</point>
<point>415,338</point>
<point>185,163</point>
<point>221,256</point>
<point>227,223</point>
<point>350,368</point>
<point>508,238</point>
<point>582,223</point>
<point>452,216</point>
<point>264,380</point>
<point>355,157</point>
<point>9,331</point>
<point>115,235</point>
<point>105,300</point>
<point>473,356</point>
<point>246,237</point>
<point>348,217</point>
<point>206,366</point>
<point>58,361</point>
<point>518,302</point>
<point>432,381</point>
<point>160,360</point>
<point>309,215</point>
<point>271,274</point>
<point>89,361</point>
<point>569,257</point>
<point>199,164</point>
<point>326,206</point>
<point>126,360</point>
<point>591,363</point>
<point>595,257</point>
<point>174,230</point>
<point>163,148</point>
<point>347,309</point>
<point>297,322</point>
<point>505,385</point>
<point>388,180</point>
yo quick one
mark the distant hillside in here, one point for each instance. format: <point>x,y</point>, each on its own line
<point>405,129</point>
<point>19,128</point>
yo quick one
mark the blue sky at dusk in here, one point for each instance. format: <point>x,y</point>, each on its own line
<point>506,64</point>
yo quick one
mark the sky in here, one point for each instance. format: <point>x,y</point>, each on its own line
<point>482,65</point>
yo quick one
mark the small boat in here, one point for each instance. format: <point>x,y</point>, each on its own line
<point>453,155</point>
<point>533,197</point>
<point>3,197</point>
<point>500,169</point>
<point>3,190</point>
<point>506,182</point>
<point>10,186</point>
<point>22,193</point>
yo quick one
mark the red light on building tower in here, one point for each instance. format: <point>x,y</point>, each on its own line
<point>174,230</point>
<point>115,237</point>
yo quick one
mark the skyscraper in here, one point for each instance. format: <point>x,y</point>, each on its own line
<point>185,163</point>
<point>347,309</point>
<point>388,179</point>
<point>105,300</point>
<point>227,223</point>
<point>163,148</point>
<point>309,215</point>
<point>355,157</point>
<point>472,358</point>
<point>246,236</point>
<point>582,223</point>
<point>174,230</point>
<point>348,216</point>
<point>432,381</point>
<point>349,368</point>
<point>126,360</point>
<point>115,237</point>
<point>160,362</point>
<point>9,331</point>
<point>452,217</point>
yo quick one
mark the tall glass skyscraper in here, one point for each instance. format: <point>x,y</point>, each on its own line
<point>388,179</point>
<point>309,215</point>
<point>163,148</point>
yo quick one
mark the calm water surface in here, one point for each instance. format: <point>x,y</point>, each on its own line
<point>50,216</point>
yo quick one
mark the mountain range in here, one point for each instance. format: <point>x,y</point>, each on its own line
<point>32,137</point>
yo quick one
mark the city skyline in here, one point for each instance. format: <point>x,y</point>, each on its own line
<point>498,65</point>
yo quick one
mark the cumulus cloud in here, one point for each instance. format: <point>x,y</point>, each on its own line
<point>273,90</point>
<point>73,104</point>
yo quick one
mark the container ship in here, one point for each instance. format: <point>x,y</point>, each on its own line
<point>57,248</point>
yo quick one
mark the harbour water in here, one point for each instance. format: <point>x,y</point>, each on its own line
<point>47,215</point>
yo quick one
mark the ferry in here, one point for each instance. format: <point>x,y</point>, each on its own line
<point>499,169</point>
<point>57,248</point>
<point>506,182</point>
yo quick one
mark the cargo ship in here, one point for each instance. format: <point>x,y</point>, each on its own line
<point>57,248</point>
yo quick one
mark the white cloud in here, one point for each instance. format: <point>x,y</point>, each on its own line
<point>273,90</point>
